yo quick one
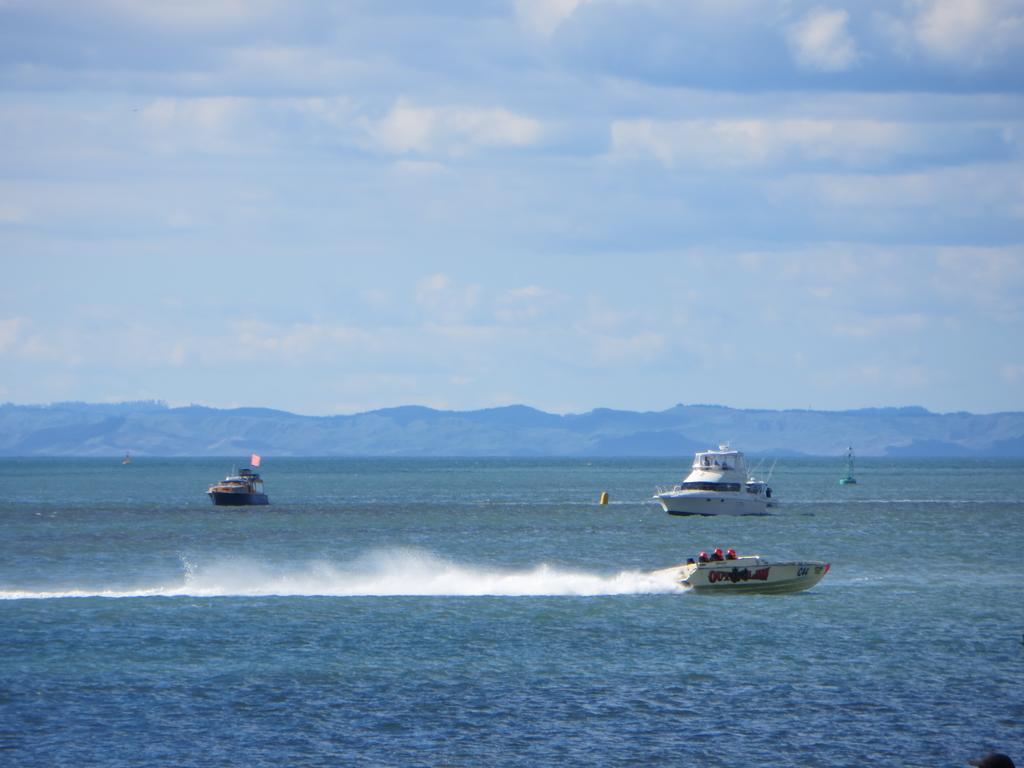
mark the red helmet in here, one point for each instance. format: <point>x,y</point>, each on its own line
<point>731,551</point>
<point>703,554</point>
<point>718,551</point>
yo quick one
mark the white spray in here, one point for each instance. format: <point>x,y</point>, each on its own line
<point>380,573</point>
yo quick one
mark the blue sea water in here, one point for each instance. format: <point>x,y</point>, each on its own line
<point>455,612</point>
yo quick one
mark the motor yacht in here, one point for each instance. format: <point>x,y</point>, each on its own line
<point>718,484</point>
<point>242,489</point>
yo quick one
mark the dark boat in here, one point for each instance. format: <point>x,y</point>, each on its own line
<point>239,490</point>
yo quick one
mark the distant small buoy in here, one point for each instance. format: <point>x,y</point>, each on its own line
<point>604,497</point>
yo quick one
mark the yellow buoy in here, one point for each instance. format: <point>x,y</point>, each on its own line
<point>604,497</point>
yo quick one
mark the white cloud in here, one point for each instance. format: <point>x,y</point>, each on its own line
<point>820,41</point>
<point>420,168</point>
<point>545,16</point>
<point>870,327</point>
<point>62,347</point>
<point>13,214</point>
<point>971,33</point>
<point>441,298</point>
<point>914,190</point>
<point>203,124</point>
<point>716,144</point>
<point>821,292</point>
<point>407,128</point>
<point>609,335</point>
<point>494,127</point>
<point>528,293</point>
<point>81,344</point>
<point>256,340</point>
<point>307,69</point>
<point>990,279</point>
<point>522,305</point>
<point>242,126</point>
<point>10,330</point>
<point>644,346</point>
<point>958,199</point>
<point>1013,373</point>
<point>192,14</point>
<point>466,338</point>
<point>891,378</point>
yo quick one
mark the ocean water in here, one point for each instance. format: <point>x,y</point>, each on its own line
<point>402,612</point>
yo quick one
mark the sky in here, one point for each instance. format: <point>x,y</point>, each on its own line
<point>332,207</point>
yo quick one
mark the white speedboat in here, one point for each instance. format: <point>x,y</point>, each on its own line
<point>718,484</point>
<point>747,573</point>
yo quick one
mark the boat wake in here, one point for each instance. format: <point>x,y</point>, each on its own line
<point>381,573</point>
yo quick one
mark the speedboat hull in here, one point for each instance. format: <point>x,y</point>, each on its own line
<point>748,574</point>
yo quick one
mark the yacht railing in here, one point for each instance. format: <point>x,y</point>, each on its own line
<point>660,489</point>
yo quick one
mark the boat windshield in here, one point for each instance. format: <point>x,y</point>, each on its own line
<point>719,461</point>
<point>706,486</point>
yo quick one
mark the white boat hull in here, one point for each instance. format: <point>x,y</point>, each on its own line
<point>698,503</point>
<point>748,574</point>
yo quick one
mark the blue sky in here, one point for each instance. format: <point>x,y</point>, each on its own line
<point>329,207</point>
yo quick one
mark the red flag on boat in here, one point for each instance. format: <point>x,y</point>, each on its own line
<point>255,460</point>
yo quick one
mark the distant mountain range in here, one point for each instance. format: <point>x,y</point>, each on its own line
<point>154,429</point>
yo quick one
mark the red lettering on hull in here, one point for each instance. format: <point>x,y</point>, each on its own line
<point>737,575</point>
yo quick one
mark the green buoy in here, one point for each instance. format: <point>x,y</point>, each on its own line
<point>849,479</point>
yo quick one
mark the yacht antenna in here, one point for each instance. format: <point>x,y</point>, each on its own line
<point>757,468</point>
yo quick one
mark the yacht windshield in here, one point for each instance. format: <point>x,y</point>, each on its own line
<point>705,486</point>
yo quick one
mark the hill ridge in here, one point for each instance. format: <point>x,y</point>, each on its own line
<point>153,428</point>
